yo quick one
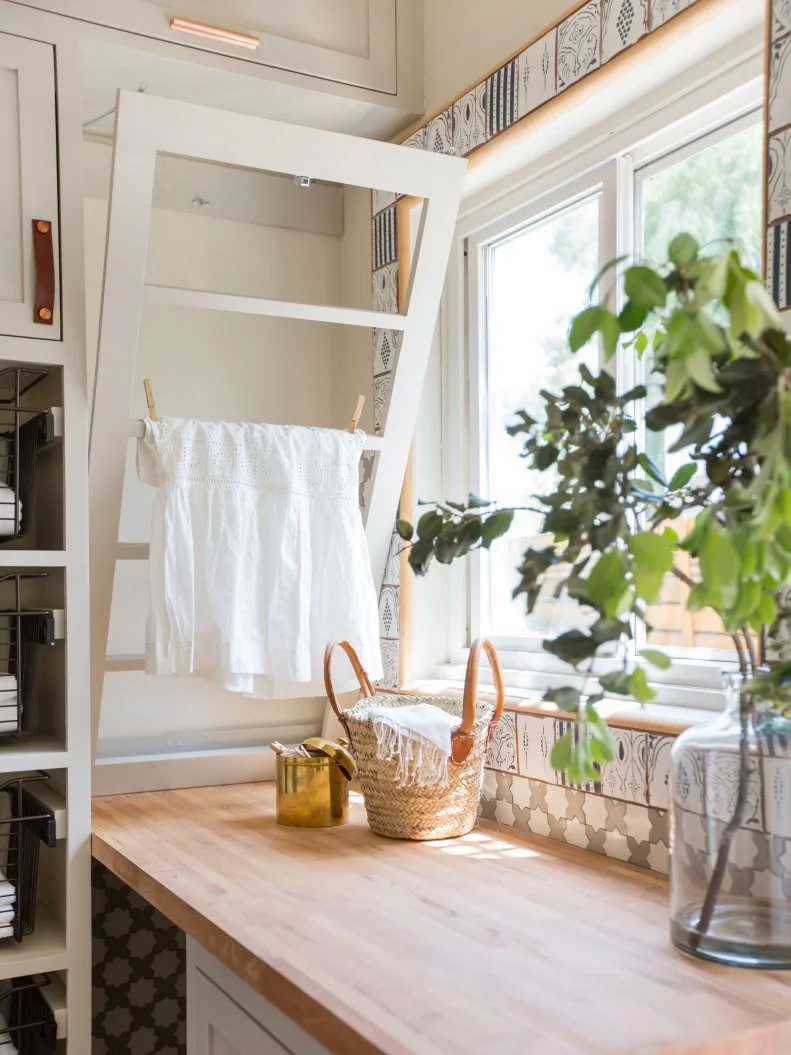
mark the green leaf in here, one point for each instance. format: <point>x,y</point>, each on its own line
<point>720,566</point>
<point>610,334</point>
<point>616,682</point>
<point>682,476</point>
<point>656,658</point>
<point>652,469</point>
<point>700,369</point>
<point>639,687</point>
<point>683,251</point>
<point>566,698</point>
<point>607,582</point>
<point>496,525</point>
<point>645,287</point>
<point>572,647</point>
<point>429,525</point>
<point>583,327</point>
<point>653,559</point>
<point>474,502</point>
<point>563,751</point>
<point>604,270</point>
<point>404,530</point>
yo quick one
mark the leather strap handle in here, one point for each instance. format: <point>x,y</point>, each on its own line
<point>44,256</point>
<point>362,677</point>
<point>463,738</point>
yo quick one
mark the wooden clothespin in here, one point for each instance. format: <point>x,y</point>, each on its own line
<point>152,410</point>
<point>358,410</point>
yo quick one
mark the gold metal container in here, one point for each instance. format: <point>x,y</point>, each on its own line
<point>313,792</point>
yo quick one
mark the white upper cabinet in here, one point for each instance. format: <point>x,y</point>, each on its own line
<point>29,280</point>
<point>353,42</point>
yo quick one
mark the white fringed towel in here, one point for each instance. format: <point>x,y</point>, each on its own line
<point>418,738</point>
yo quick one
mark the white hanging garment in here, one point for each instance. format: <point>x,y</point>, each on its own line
<point>258,554</point>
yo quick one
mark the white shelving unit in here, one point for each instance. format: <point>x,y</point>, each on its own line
<point>39,57</point>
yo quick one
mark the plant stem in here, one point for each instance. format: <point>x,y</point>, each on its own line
<point>733,825</point>
<point>738,643</point>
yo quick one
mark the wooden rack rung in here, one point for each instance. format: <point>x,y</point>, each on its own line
<point>124,664</point>
<point>137,432</point>
<point>285,309</point>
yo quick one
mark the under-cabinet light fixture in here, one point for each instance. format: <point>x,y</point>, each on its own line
<point>223,36</point>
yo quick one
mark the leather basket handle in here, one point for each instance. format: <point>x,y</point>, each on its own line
<point>463,739</point>
<point>362,677</point>
<point>44,256</point>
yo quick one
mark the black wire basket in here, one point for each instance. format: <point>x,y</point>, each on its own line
<point>23,431</point>
<point>27,1019</point>
<point>22,631</point>
<point>25,823</point>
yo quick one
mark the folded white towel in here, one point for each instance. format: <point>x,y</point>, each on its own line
<point>7,519</point>
<point>6,931</point>
<point>9,725</point>
<point>7,1045</point>
<point>7,890</point>
<point>6,914</point>
<point>8,682</point>
<point>418,737</point>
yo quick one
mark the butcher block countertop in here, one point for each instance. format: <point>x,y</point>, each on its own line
<point>495,944</point>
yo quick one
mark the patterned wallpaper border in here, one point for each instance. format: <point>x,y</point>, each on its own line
<point>575,48</point>
<point>778,153</point>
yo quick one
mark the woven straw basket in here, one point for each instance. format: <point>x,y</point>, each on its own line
<point>413,812</point>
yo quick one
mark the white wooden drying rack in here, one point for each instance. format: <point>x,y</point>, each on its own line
<point>147,125</point>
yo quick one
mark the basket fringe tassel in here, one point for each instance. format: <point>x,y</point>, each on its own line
<point>420,762</point>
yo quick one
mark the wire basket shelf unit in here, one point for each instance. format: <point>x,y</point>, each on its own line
<point>24,430</point>
<point>22,631</point>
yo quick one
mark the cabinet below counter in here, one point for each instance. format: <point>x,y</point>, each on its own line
<point>335,940</point>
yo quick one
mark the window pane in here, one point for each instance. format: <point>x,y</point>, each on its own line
<point>538,279</point>
<point>714,194</point>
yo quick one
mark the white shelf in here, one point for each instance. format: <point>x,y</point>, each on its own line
<point>32,752</point>
<point>43,950</point>
<point>32,558</point>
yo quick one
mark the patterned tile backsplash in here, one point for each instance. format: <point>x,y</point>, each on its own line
<point>623,815</point>
<point>139,974</point>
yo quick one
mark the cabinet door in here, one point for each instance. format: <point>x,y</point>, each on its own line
<point>28,185</point>
<point>219,1026</point>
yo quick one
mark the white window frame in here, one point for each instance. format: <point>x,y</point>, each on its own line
<point>712,110</point>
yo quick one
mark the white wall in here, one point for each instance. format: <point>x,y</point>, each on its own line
<point>464,39</point>
<point>220,366</point>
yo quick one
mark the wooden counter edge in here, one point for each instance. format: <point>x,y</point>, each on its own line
<point>287,994</point>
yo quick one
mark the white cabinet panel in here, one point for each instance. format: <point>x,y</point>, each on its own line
<point>350,41</point>
<point>221,1027</point>
<point>28,179</point>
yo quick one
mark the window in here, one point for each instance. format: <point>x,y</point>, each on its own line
<point>528,274</point>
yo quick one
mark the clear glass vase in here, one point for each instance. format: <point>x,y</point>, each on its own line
<point>730,836</point>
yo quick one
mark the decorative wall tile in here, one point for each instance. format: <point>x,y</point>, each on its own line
<point>579,45</point>
<point>625,777</point>
<point>687,788</point>
<point>439,133</point>
<point>393,563</point>
<point>469,120</point>
<point>663,10</point>
<point>385,237</point>
<point>536,73</point>
<point>561,728</point>
<point>385,289</point>
<point>779,176</point>
<point>659,770</point>
<point>382,199</point>
<point>388,611</point>
<point>625,21</point>
<point>777,796</point>
<point>389,649</point>
<point>501,99</point>
<point>778,263</point>
<point>722,784</point>
<point>534,740</point>
<point>417,141</point>
<point>782,18</point>
<point>502,747</point>
<point>139,973</point>
<point>383,386</point>
<point>780,85</point>
<point>387,344</point>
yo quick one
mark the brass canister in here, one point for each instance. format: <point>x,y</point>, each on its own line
<point>313,789</point>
